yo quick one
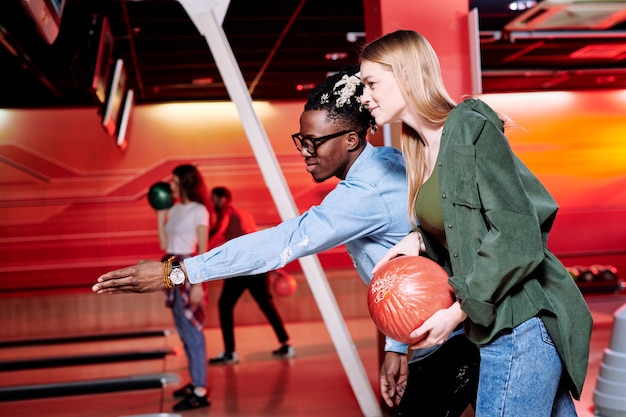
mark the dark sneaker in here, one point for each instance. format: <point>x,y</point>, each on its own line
<point>184,391</point>
<point>285,351</point>
<point>224,359</point>
<point>192,401</point>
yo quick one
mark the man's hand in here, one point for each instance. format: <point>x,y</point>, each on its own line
<point>393,377</point>
<point>146,276</point>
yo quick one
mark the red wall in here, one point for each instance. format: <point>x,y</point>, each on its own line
<point>445,26</point>
<point>73,205</point>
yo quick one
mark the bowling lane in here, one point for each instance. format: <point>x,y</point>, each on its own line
<point>312,384</point>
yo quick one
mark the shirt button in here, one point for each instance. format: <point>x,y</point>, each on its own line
<point>450,226</point>
<point>439,163</point>
<point>455,255</point>
<point>444,195</point>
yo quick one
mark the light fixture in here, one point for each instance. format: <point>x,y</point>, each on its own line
<point>306,86</point>
<point>202,81</point>
<point>521,5</point>
<point>335,56</point>
<point>354,36</point>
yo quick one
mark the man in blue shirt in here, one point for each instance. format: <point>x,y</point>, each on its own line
<point>366,211</point>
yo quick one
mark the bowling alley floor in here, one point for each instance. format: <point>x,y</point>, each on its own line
<point>312,384</point>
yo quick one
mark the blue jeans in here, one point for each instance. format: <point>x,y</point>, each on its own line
<point>520,374</point>
<point>193,343</point>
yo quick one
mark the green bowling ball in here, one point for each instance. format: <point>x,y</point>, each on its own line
<point>160,196</point>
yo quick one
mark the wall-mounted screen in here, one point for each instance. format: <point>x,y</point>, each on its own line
<point>114,98</point>
<point>127,108</point>
<point>103,57</point>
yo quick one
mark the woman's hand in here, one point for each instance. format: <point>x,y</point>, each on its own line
<point>438,327</point>
<point>412,244</point>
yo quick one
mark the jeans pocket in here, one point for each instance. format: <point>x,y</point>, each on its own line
<point>545,336</point>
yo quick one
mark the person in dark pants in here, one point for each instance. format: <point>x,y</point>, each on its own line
<point>451,370</point>
<point>231,223</point>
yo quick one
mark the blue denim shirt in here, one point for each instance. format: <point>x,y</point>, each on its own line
<point>367,212</point>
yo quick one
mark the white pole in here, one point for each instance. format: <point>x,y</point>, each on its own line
<point>474,43</point>
<point>202,15</point>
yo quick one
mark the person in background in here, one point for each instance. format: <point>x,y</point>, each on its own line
<point>233,222</point>
<point>366,211</point>
<point>484,215</point>
<point>183,232</point>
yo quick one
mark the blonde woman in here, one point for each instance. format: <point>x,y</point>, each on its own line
<point>487,217</point>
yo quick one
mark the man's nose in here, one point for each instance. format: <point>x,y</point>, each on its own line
<point>304,153</point>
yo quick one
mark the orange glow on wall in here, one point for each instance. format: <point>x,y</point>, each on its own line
<point>575,143</point>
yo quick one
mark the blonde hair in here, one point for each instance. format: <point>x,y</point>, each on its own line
<point>415,66</point>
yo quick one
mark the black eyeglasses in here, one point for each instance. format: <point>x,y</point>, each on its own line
<point>311,144</point>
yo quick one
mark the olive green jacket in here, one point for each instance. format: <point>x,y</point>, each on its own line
<point>497,217</point>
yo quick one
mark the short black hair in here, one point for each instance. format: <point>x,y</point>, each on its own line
<point>341,104</point>
<point>222,192</point>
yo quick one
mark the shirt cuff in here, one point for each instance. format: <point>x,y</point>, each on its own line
<point>480,312</point>
<point>395,346</point>
<point>193,266</point>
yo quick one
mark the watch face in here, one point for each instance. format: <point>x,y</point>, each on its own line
<point>177,276</point>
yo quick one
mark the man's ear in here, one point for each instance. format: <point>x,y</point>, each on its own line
<point>353,141</point>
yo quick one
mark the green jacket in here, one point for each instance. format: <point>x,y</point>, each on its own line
<point>497,216</point>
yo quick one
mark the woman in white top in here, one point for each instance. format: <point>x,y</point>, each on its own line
<point>183,232</point>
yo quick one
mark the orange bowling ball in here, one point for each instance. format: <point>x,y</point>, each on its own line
<point>404,293</point>
<point>283,284</point>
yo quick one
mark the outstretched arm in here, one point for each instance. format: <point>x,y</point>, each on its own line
<point>146,276</point>
<point>337,220</point>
